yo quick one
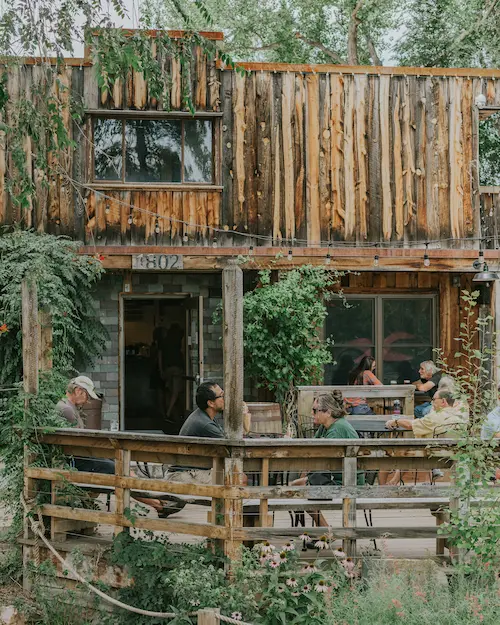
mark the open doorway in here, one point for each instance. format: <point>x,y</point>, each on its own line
<point>159,366</point>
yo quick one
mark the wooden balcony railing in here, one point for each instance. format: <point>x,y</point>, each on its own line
<point>240,513</point>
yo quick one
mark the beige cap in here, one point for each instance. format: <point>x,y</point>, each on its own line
<point>86,383</point>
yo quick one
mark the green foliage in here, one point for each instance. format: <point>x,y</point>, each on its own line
<point>65,280</point>
<point>475,529</point>
<point>283,321</point>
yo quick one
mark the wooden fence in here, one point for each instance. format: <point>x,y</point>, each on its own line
<point>230,504</point>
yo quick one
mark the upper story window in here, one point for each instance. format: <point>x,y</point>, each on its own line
<point>153,150</point>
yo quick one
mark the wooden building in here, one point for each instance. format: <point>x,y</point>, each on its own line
<point>373,168</point>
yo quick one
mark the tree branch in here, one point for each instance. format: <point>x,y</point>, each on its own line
<point>317,44</point>
<point>465,33</point>
<point>352,37</point>
<point>269,46</point>
<point>372,51</point>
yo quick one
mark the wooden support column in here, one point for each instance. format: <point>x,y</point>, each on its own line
<point>122,495</point>
<point>350,472</point>
<point>30,334</point>
<point>45,348</point>
<point>209,616</point>
<point>232,324</point>
<point>264,503</point>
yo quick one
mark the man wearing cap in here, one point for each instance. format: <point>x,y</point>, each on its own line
<point>78,392</point>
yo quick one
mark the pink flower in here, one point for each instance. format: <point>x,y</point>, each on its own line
<point>321,586</point>
<point>263,560</point>
<point>396,603</point>
<point>273,564</point>
<point>266,547</point>
<point>292,582</point>
<point>295,594</point>
<point>322,543</point>
<point>280,588</point>
<point>289,547</point>
<point>282,557</point>
<point>238,616</point>
<point>309,568</point>
<point>348,565</point>
<point>306,588</point>
<point>305,536</point>
<point>339,554</point>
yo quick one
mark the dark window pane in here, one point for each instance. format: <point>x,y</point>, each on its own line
<point>407,321</point>
<point>355,323</point>
<point>107,149</point>
<point>402,363</point>
<point>345,359</point>
<point>197,150</point>
<point>153,150</point>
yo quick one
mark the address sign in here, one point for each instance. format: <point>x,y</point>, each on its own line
<point>157,262</point>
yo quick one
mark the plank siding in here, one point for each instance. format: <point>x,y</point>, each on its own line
<point>304,157</point>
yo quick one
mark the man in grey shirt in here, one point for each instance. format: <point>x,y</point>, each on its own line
<point>201,422</point>
<point>78,392</point>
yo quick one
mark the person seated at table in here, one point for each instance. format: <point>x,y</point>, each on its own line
<point>446,417</point>
<point>78,392</point>
<point>430,377</point>
<point>329,414</point>
<point>491,425</point>
<point>362,375</point>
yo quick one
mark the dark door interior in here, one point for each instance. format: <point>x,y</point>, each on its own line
<point>156,376</point>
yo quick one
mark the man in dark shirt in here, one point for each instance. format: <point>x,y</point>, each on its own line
<point>201,422</point>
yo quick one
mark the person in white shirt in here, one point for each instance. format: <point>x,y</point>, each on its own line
<point>491,426</point>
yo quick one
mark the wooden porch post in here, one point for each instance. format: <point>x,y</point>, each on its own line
<point>232,324</point>
<point>31,339</point>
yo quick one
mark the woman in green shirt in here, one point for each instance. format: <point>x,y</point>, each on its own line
<point>329,414</point>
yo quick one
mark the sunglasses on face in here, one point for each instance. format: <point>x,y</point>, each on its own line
<point>218,396</point>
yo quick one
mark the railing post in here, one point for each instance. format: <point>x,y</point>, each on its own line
<point>31,341</point>
<point>349,466</point>
<point>264,503</point>
<point>232,334</point>
<point>122,495</point>
<point>208,616</point>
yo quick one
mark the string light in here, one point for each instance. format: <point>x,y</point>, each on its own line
<point>130,220</point>
<point>107,209</point>
<point>214,243</point>
<point>290,254</point>
<point>185,238</point>
<point>376,257</point>
<point>328,258</point>
<point>427,260</point>
<point>157,226</point>
<point>250,250</point>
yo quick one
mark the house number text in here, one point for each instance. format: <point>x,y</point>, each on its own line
<point>157,262</point>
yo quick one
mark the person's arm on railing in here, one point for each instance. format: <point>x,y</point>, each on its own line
<point>406,424</point>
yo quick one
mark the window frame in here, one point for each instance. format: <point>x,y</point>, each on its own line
<point>182,116</point>
<point>378,322</point>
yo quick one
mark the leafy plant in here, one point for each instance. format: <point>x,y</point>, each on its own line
<point>65,280</point>
<point>475,529</point>
<point>283,321</point>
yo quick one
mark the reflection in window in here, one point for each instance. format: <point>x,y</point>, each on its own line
<point>197,151</point>
<point>153,150</point>
<point>108,149</point>
<point>399,332</point>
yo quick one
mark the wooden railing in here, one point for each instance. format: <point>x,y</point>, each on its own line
<point>240,513</point>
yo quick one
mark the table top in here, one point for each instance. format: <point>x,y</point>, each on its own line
<point>374,425</point>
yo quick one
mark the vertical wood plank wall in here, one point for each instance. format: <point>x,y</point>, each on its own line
<point>304,156</point>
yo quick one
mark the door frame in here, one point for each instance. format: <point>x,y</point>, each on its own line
<point>121,340</point>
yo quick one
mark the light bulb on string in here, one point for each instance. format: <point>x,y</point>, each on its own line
<point>130,220</point>
<point>427,260</point>
<point>185,238</point>
<point>328,258</point>
<point>157,226</point>
<point>107,209</point>
<point>214,243</point>
<point>376,260</point>
<point>250,250</point>
<point>290,254</point>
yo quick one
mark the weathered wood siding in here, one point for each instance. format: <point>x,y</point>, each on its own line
<point>304,157</point>
<point>353,157</point>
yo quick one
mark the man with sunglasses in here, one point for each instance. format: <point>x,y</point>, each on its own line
<point>201,422</point>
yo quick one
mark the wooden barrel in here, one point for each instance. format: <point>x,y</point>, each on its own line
<point>93,414</point>
<point>266,418</point>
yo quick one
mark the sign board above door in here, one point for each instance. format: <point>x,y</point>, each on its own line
<point>157,262</point>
